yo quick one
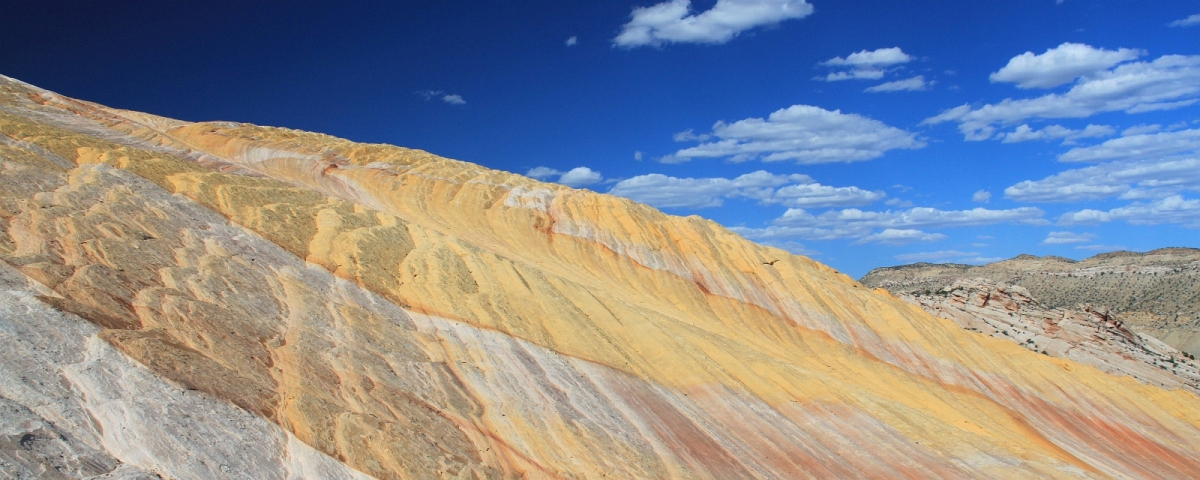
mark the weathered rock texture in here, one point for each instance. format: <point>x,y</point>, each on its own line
<point>1156,293</point>
<point>1089,335</point>
<point>417,317</point>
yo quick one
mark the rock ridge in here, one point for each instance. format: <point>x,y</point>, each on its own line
<point>405,315</point>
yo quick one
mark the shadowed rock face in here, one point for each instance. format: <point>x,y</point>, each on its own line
<point>403,315</point>
<point>1156,293</point>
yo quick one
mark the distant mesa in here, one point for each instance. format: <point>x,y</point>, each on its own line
<point>1156,293</point>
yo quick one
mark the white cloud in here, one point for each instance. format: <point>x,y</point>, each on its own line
<point>690,136</point>
<point>1024,133</point>
<point>1131,180</point>
<point>638,155</point>
<point>856,74</point>
<point>1063,238</point>
<point>1084,217</point>
<point>542,173</point>
<point>790,190</point>
<point>571,42</point>
<point>445,97</point>
<point>580,177</point>
<point>1168,82</point>
<point>875,58</point>
<point>811,195</point>
<point>918,217</point>
<point>913,84</point>
<point>1143,146</point>
<point>865,65</point>
<point>981,196</point>
<point>1173,209</point>
<point>946,255</point>
<point>1140,129</point>
<point>896,202</point>
<point>1186,22</point>
<point>804,134</point>
<point>674,22</point>
<point>798,223</point>
<point>1060,65</point>
<point>893,236</point>
<point>577,177</point>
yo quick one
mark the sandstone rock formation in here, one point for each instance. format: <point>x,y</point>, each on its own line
<point>1156,293</point>
<point>1089,335</point>
<point>200,300</point>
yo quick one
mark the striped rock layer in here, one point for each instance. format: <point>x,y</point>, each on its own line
<point>226,300</point>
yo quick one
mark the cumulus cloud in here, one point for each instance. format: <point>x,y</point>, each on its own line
<point>576,177</point>
<point>1060,65</point>
<point>1172,209</point>
<point>1130,180</point>
<point>542,173</point>
<point>865,65</point>
<point>1146,145</point>
<point>580,177</point>
<point>804,134</point>
<point>1025,133</point>
<point>798,223</point>
<point>917,217</point>
<point>794,190</point>
<point>893,236</point>
<point>1140,129</point>
<point>1084,217</point>
<point>913,84</point>
<point>690,136</point>
<point>882,57</point>
<point>1168,82</point>
<point>674,21</point>
<point>1186,22</point>
<point>981,196</point>
<point>812,195</point>
<point>1063,238</point>
<point>945,256</point>
<point>857,74</point>
<point>572,41</point>
<point>450,98</point>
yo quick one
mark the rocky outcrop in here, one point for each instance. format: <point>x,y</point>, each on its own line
<point>1156,293</point>
<point>72,406</point>
<point>1088,335</point>
<point>374,310</point>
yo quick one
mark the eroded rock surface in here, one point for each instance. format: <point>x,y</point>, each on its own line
<point>71,406</point>
<point>1089,335</point>
<point>409,316</point>
<point>1156,293</point>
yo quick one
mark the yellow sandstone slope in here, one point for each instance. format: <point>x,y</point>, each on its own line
<point>413,316</point>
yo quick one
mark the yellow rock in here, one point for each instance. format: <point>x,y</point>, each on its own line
<point>455,321</point>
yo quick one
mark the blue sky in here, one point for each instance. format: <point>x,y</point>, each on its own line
<point>862,133</point>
